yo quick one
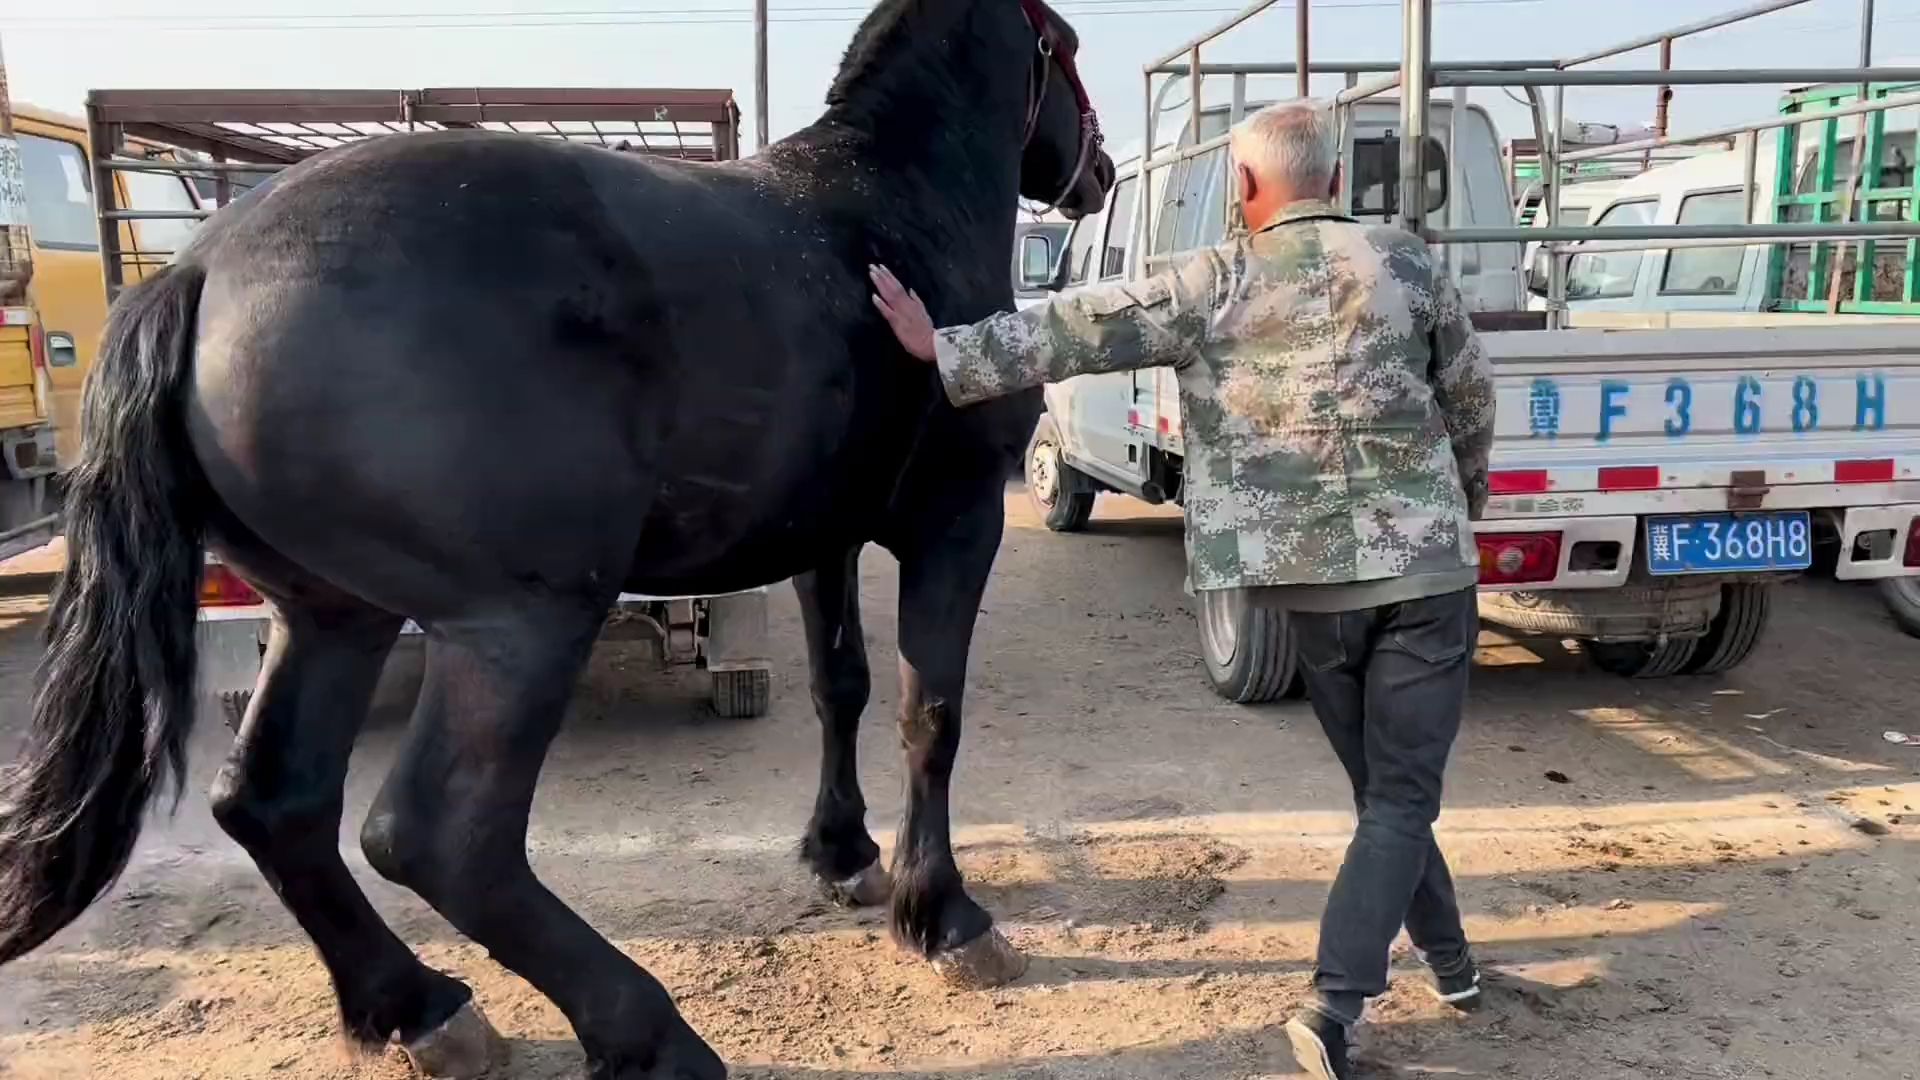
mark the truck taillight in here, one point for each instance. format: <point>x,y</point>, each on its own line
<point>1517,558</point>
<point>1912,556</point>
<point>1517,481</point>
<point>221,587</point>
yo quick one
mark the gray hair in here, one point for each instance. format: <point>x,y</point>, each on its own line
<point>1294,141</point>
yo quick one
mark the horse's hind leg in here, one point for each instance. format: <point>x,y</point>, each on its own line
<point>451,824</point>
<point>837,846</point>
<point>279,795</point>
<point>943,575</point>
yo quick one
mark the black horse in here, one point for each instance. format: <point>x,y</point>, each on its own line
<point>489,382</point>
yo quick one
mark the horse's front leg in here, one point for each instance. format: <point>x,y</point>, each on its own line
<point>942,579</point>
<point>837,847</point>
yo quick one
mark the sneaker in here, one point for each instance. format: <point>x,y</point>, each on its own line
<point>1320,1045</point>
<point>1461,989</point>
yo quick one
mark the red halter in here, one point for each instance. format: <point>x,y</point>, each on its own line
<point>1052,49</point>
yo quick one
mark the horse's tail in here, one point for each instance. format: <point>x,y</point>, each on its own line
<point>115,701</point>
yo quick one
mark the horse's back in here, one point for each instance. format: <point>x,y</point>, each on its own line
<point>465,354</point>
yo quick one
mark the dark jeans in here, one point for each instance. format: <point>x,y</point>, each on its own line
<point>1388,685</point>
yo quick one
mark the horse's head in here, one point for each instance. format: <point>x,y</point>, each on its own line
<point>1062,162</point>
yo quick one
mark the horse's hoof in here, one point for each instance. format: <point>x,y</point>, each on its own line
<point>987,961</point>
<point>868,888</point>
<point>463,1048</point>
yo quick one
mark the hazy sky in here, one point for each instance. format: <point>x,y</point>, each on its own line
<point>56,51</point>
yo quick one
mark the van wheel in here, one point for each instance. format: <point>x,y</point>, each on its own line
<point>1248,649</point>
<point>1902,597</point>
<point>1735,631</point>
<point>1642,659</point>
<point>1060,495</point>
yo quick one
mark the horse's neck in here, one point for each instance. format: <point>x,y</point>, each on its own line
<point>936,132</point>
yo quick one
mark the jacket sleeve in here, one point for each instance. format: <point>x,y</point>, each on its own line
<point>1463,387</point>
<point>1121,326</point>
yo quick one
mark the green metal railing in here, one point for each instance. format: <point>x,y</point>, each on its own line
<point>1800,277</point>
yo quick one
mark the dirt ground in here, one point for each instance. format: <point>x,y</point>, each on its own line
<point>1723,884</point>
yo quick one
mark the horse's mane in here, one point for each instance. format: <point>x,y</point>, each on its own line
<point>885,31</point>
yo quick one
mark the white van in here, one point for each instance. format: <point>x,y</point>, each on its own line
<point>1577,205</point>
<point>1709,190</point>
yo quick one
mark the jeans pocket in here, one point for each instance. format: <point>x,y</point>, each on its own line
<point>1319,639</point>
<point>1438,629</point>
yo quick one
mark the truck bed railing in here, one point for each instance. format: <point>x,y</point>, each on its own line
<point>1417,68</point>
<point>224,136</point>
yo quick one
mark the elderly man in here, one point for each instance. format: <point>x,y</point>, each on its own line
<point>1338,417</point>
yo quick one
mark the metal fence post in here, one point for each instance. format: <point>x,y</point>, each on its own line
<point>1415,80</point>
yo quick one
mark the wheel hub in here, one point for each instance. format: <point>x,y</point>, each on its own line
<point>1043,472</point>
<point>1219,623</point>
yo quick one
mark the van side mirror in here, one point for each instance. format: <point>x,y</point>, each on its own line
<point>1538,282</point>
<point>1036,261</point>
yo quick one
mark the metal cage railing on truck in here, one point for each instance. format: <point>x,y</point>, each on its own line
<point>223,141</point>
<point>1418,71</point>
<point>1877,182</point>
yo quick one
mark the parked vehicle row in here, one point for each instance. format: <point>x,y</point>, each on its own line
<point>1650,482</point>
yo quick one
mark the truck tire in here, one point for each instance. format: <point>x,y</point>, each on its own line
<point>741,695</point>
<point>1902,597</point>
<point>1643,659</point>
<point>1248,650</point>
<point>1735,631</point>
<point>1060,495</point>
<point>233,707</point>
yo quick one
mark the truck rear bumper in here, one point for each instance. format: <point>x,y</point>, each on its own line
<point>230,639</point>
<point>1595,552</point>
<point>1874,541</point>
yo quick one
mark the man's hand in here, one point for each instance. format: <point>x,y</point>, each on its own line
<point>904,312</point>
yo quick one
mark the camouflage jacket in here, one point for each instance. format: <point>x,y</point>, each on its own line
<point>1338,407</point>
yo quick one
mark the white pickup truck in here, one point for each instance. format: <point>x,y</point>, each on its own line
<point>1648,485</point>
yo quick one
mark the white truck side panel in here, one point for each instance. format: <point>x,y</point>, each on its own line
<point>1702,402</point>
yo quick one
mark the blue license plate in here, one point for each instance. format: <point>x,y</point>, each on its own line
<point>1717,543</point>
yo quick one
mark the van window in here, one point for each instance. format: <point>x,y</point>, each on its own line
<point>1575,215</point>
<point>1113,262</point>
<point>160,191</point>
<point>1709,271</point>
<point>1192,214</point>
<point>1086,236</point>
<point>59,199</point>
<point>1601,275</point>
<point>1376,177</point>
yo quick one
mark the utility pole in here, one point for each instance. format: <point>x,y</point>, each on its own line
<point>1302,77</point>
<point>760,74</point>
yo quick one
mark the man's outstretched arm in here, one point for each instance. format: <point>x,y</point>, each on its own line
<point>1121,326</point>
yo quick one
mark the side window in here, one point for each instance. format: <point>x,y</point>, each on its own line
<point>1113,260</point>
<point>1376,177</point>
<point>1173,197</point>
<point>1192,209</point>
<point>160,191</point>
<point>1204,223</point>
<point>1086,236</point>
<point>59,196</point>
<point>1603,274</point>
<point>1707,270</point>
